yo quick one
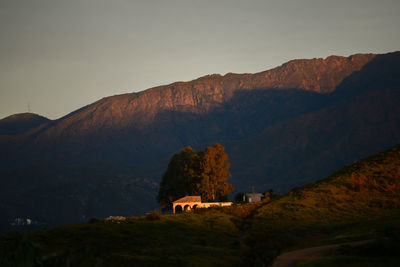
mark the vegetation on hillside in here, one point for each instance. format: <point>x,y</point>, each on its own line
<point>371,186</point>
<point>182,240</point>
<point>356,202</point>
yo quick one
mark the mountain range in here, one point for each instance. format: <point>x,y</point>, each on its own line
<point>284,127</point>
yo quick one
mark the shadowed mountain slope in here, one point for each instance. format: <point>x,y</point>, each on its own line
<point>361,118</point>
<point>303,149</point>
<point>63,194</point>
<point>20,123</point>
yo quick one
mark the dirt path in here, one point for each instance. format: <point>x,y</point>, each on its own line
<point>292,258</point>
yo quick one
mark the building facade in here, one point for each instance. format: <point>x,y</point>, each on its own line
<point>189,203</point>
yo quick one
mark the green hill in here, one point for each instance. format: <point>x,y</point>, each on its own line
<point>367,188</point>
<point>359,202</point>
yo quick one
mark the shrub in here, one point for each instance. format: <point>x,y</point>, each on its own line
<point>93,220</point>
<point>132,218</point>
<point>153,216</point>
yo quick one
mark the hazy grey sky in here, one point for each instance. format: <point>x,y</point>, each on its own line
<point>60,55</point>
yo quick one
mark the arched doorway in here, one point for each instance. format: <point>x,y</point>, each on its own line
<point>178,209</point>
<point>187,208</point>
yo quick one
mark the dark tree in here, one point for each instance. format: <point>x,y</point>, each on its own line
<point>180,179</point>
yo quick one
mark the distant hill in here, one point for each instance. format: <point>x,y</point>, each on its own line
<point>40,192</point>
<point>284,127</point>
<point>20,123</point>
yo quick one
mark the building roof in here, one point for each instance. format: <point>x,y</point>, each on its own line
<point>188,199</point>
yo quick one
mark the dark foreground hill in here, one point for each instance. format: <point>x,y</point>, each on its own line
<point>281,128</point>
<point>359,202</point>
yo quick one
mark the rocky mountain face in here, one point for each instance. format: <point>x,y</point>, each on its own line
<point>360,118</point>
<point>134,127</point>
<point>282,127</point>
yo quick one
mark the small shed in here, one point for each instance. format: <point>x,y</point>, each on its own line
<point>252,197</point>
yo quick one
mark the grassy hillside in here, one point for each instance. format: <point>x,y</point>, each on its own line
<point>186,239</point>
<point>366,188</point>
<point>359,202</point>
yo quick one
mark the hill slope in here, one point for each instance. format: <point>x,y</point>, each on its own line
<point>308,147</point>
<point>361,201</point>
<point>370,187</point>
<point>20,123</point>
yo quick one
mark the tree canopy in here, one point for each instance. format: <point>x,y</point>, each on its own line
<point>196,173</point>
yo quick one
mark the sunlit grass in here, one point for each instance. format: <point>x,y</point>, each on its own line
<point>355,203</point>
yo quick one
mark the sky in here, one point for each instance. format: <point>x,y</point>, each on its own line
<point>59,55</point>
